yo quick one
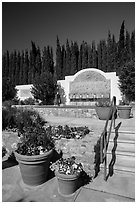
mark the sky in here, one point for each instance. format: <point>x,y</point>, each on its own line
<point>41,22</point>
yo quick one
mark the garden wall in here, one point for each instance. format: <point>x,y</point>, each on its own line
<point>63,111</point>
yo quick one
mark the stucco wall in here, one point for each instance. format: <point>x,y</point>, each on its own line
<point>65,84</point>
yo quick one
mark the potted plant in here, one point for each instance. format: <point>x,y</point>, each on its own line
<point>67,172</point>
<point>124,109</point>
<point>34,150</point>
<point>103,108</point>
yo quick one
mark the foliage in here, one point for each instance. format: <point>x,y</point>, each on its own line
<point>66,131</point>
<point>44,88</point>
<point>127,81</point>
<point>8,117</point>
<point>28,101</point>
<point>123,102</point>
<point>8,89</point>
<point>103,103</point>
<point>34,141</point>
<point>27,118</point>
<point>67,166</point>
<point>107,55</point>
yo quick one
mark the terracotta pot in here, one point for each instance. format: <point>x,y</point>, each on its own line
<point>124,111</point>
<point>103,112</point>
<point>67,184</point>
<point>34,169</point>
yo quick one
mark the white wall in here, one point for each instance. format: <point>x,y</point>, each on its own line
<point>24,90</point>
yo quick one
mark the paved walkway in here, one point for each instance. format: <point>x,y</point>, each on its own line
<point>119,188</point>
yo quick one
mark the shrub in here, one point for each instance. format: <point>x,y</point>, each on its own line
<point>8,89</point>
<point>44,88</point>
<point>34,141</point>
<point>8,117</point>
<point>28,118</point>
<point>127,81</point>
<point>28,101</point>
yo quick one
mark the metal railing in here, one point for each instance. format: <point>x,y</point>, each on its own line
<point>105,136</point>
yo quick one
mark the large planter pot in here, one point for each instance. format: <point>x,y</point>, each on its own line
<point>34,169</point>
<point>124,111</point>
<point>103,112</point>
<point>67,184</point>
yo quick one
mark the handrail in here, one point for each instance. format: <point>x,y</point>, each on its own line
<point>104,139</point>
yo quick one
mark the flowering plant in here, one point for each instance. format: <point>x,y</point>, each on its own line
<point>67,166</point>
<point>34,141</point>
<point>59,131</point>
<point>103,103</point>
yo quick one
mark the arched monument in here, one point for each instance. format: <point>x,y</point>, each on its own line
<point>90,84</point>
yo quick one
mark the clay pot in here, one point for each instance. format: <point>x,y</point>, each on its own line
<point>67,184</point>
<point>124,111</point>
<point>34,169</point>
<point>103,112</point>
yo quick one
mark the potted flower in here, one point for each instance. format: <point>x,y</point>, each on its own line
<point>103,108</point>
<point>124,109</point>
<point>67,172</point>
<point>34,151</point>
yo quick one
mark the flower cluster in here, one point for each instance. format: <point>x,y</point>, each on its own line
<point>34,141</point>
<point>103,103</point>
<point>67,132</point>
<point>67,166</point>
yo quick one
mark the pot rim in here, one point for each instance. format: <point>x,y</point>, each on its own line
<point>32,158</point>
<point>66,177</point>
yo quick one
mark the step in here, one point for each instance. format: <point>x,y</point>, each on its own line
<point>123,135</point>
<point>121,163</point>
<point>123,147</point>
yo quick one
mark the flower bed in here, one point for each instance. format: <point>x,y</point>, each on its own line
<point>58,132</point>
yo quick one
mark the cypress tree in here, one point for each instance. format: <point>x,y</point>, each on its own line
<point>74,58</point>
<point>104,56</point>
<point>84,55</point>
<point>58,60</point>
<point>26,68</point>
<point>109,52</point>
<point>68,59</point>
<point>63,70</point>
<point>80,59</point>
<point>133,45</point>
<point>17,74</point>
<point>14,67</point>
<point>90,61</point>
<point>94,55</point>
<point>121,45</point>
<point>21,69</point>
<point>127,49</point>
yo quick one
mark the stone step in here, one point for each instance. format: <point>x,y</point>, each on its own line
<point>120,163</point>
<point>123,135</point>
<point>122,147</point>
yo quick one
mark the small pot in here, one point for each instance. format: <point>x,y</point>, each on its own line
<point>34,169</point>
<point>124,111</point>
<point>67,184</point>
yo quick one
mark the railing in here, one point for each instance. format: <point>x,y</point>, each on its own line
<point>104,139</point>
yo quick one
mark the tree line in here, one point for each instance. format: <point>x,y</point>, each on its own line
<point>108,55</point>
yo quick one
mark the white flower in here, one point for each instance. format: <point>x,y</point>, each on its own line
<point>14,145</point>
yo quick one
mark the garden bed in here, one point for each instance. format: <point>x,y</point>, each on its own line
<point>71,141</point>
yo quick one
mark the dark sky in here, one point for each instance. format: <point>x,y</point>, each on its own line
<point>42,22</point>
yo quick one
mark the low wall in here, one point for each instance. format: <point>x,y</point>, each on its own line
<point>63,111</point>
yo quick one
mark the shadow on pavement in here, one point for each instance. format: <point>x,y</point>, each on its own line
<point>11,161</point>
